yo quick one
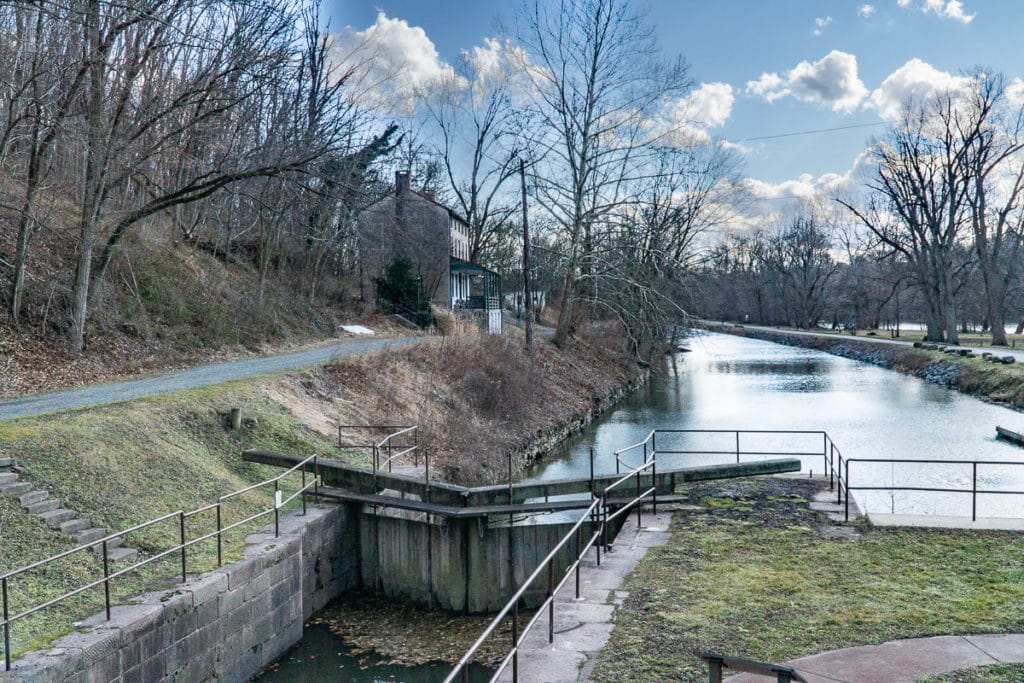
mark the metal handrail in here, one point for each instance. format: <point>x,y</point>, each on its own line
<point>512,603</point>
<point>368,428</point>
<point>599,508</point>
<point>974,490</point>
<point>181,547</point>
<point>651,442</point>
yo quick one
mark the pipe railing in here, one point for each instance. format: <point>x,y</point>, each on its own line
<point>649,445</point>
<point>974,491</point>
<point>598,514</point>
<point>181,548</point>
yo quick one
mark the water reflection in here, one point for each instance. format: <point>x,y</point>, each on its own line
<point>731,382</point>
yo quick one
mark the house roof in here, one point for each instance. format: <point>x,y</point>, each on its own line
<point>460,266</point>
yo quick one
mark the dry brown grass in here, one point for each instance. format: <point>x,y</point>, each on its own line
<point>475,397</point>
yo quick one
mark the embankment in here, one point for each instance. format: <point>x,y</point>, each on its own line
<point>994,382</point>
<point>475,398</point>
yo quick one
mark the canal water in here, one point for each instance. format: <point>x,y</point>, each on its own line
<point>729,382</point>
<point>323,656</point>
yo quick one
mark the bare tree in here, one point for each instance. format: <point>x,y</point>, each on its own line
<point>473,113</point>
<point>919,204</point>
<point>597,81</point>
<point>992,134</point>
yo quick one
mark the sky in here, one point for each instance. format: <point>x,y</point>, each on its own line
<point>761,69</point>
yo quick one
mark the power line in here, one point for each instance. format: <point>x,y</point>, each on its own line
<point>810,132</point>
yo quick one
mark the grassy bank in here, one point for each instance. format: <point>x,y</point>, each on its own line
<point>125,464</point>
<point>475,397</point>
<point>996,673</point>
<point>756,574</point>
<point>1003,384</point>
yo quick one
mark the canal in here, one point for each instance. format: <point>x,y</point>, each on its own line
<point>728,382</point>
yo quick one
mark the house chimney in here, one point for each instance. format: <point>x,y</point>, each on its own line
<point>401,182</point>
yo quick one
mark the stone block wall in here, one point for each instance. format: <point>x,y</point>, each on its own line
<point>225,625</point>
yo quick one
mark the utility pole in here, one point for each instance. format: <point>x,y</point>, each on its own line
<point>527,303</point>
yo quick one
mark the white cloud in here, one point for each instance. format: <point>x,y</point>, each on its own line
<point>710,105</point>
<point>911,83</point>
<point>393,60</point>
<point>1015,92</point>
<point>685,121</point>
<point>832,81</point>
<point>944,9</point>
<point>866,11</point>
<point>820,23</point>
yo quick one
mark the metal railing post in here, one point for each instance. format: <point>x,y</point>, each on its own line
<point>639,503</point>
<point>579,556</point>
<point>737,445</point>
<point>220,536</point>
<point>591,470</point>
<point>974,492</point>
<point>316,480</point>
<point>515,642</point>
<point>551,601</point>
<point>303,468</point>
<point>831,466</point>
<point>847,509</point>
<point>839,482</point>
<point>7,626</point>
<point>106,579</point>
<point>277,511</point>
<point>645,452</point>
<point>181,529</point>
<point>654,482</point>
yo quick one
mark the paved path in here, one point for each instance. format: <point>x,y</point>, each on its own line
<point>997,350</point>
<point>904,661</point>
<point>582,627</point>
<point>192,378</point>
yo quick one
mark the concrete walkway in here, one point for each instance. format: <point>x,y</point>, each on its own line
<point>904,661</point>
<point>582,627</point>
<point>193,378</point>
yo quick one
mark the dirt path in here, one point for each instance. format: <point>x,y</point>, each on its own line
<point>204,375</point>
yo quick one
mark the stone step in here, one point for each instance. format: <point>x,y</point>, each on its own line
<point>7,462</point>
<point>73,526</point>
<point>90,535</point>
<point>122,554</point>
<point>15,489</point>
<point>8,478</point>
<point>42,506</point>
<point>54,518</point>
<point>115,542</point>
<point>36,496</point>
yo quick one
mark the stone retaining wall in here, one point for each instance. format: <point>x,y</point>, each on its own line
<point>225,625</point>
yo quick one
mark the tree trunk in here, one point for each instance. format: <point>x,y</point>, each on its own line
<point>564,313</point>
<point>92,182</point>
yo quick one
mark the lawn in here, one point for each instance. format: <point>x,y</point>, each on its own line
<point>757,574</point>
<point>125,464</point>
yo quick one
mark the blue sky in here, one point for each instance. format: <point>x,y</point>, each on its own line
<point>827,63</point>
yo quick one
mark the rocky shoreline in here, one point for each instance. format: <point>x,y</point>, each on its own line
<point>972,375</point>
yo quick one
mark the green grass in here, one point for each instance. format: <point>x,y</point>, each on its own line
<point>754,576</point>
<point>125,464</point>
<point>995,673</point>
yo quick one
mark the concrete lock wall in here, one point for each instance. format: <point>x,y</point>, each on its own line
<point>230,623</point>
<point>460,565</point>
<point>225,625</point>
